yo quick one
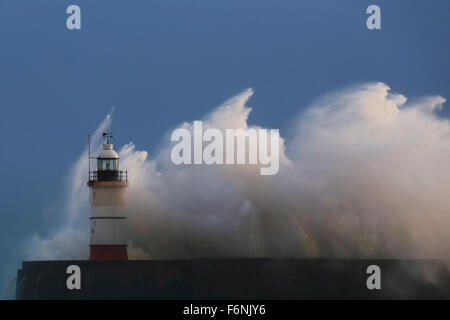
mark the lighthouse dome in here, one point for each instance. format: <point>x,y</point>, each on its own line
<point>108,152</point>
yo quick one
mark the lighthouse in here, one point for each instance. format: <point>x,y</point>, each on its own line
<point>107,197</point>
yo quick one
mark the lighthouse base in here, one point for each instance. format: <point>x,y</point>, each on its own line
<point>108,252</point>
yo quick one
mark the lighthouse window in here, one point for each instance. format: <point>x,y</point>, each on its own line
<point>113,164</point>
<point>108,164</point>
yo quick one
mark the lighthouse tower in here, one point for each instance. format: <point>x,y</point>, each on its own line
<point>107,196</point>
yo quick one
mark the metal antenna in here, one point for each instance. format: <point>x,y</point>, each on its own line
<point>108,135</point>
<point>89,155</point>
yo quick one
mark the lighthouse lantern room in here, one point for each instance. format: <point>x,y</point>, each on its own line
<point>107,196</point>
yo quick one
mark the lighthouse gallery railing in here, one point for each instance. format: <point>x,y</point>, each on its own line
<point>108,175</point>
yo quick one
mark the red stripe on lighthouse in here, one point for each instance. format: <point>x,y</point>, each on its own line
<point>107,252</point>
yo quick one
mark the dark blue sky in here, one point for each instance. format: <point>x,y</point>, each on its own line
<point>163,62</point>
